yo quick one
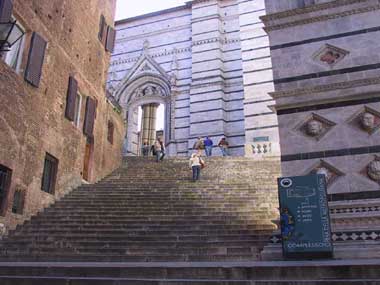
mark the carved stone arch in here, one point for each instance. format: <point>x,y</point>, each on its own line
<point>126,93</point>
<point>134,93</point>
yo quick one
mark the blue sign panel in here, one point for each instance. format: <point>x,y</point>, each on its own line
<point>304,217</point>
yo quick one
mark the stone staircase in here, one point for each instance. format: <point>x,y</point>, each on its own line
<point>147,211</point>
<point>147,223</point>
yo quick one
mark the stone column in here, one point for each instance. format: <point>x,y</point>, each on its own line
<point>148,125</point>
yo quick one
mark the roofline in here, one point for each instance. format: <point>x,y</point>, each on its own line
<point>177,8</point>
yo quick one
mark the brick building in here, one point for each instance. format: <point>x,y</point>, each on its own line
<point>56,125</point>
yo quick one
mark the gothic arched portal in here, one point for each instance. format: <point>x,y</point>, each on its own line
<point>146,86</point>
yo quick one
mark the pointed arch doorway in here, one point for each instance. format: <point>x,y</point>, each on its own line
<point>146,86</point>
<point>149,103</point>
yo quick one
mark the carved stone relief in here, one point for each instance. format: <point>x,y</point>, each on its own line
<point>373,169</point>
<point>331,173</point>
<point>315,126</point>
<point>368,120</point>
<point>330,55</point>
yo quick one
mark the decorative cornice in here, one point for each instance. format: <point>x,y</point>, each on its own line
<point>196,2</point>
<point>157,54</point>
<point>309,9</point>
<point>223,41</point>
<point>310,20</point>
<point>325,88</point>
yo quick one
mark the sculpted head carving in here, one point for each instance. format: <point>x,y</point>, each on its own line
<point>373,170</point>
<point>324,171</point>
<point>139,92</point>
<point>314,128</point>
<point>149,91</point>
<point>173,79</point>
<point>367,121</point>
<point>146,45</point>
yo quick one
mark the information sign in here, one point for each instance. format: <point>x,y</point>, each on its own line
<point>304,217</point>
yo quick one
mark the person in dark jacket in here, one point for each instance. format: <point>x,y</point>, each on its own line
<point>208,146</point>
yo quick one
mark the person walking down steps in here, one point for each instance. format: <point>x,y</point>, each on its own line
<point>196,163</point>
<point>160,150</point>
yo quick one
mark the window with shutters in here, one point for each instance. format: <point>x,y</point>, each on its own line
<point>110,132</point>
<point>18,202</point>
<point>5,183</point>
<point>78,107</point>
<point>49,175</point>
<point>13,57</point>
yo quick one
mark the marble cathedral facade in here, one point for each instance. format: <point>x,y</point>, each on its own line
<point>209,63</point>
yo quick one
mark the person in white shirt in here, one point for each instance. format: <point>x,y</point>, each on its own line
<point>196,163</point>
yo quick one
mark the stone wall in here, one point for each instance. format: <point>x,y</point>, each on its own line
<point>219,55</point>
<point>32,120</point>
<point>326,71</point>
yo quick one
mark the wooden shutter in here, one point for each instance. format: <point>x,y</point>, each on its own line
<point>110,132</point>
<point>89,119</point>
<point>5,185</point>
<point>49,175</point>
<point>6,7</point>
<point>71,98</point>
<point>102,29</point>
<point>110,43</point>
<point>35,60</point>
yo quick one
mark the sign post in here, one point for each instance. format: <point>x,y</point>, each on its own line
<point>304,217</point>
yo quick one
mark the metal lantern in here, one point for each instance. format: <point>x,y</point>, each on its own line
<point>10,33</point>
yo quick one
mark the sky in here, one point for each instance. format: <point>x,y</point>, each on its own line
<point>131,8</point>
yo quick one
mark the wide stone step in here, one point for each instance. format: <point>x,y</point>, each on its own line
<point>96,248</point>
<point>303,272</point>
<point>222,209</point>
<point>111,232</point>
<point>127,238</point>
<point>129,207</point>
<point>211,220</point>
<point>41,280</point>
<point>122,227</point>
<point>69,257</point>
<point>25,244</point>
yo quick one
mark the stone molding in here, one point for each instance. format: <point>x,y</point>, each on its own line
<point>310,20</point>
<point>157,54</point>
<point>192,2</point>
<point>224,41</point>
<point>325,88</point>
<point>221,40</point>
<point>308,9</point>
